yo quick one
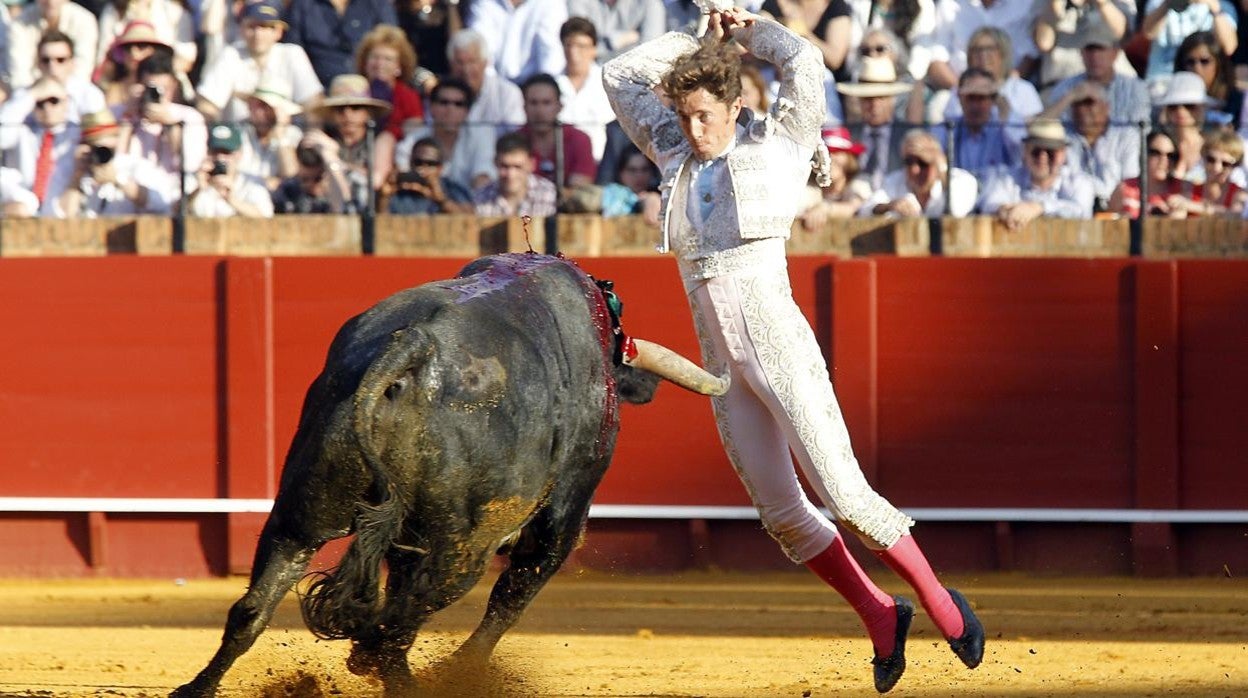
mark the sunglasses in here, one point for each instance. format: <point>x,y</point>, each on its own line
<point>426,163</point>
<point>1051,152</point>
<point>451,102</point>
<point>1086,102</point>
<point>49,60</point>
<point>50,101</point>
<point>1189,107</point>
<point>1170,155</point>
<point>982,98</point>
<point>140,47</point>
<point>1206,60</point>
<point>1214,160</point>
<point>873,50</point>
<point>912,161</point>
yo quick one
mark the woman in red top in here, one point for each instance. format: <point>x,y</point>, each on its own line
<point>1163,155</point>
<point>388,60</point>
<point>1218,196</point>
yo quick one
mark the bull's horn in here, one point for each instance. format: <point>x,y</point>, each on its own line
<point>667,364</point>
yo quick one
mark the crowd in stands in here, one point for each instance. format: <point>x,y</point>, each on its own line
<point>213,108</point>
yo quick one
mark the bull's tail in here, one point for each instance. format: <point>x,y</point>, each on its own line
<point>344,602</point>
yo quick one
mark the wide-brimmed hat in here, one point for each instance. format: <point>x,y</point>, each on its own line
<point>877,77</point>
<point>276,94</point>
<point>838,140</point>
<point>1047,133</point>
<point>268,11</point>
<point>140,32</point>
<point>1185,88</point>
<point>97,124</point>
<point>351,89</point>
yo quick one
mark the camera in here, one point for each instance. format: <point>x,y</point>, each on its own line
<point>219,167</point>
<point>411,178</point>
<point>1179,5</point>
<point>152,94</point>
<point>101,154</point>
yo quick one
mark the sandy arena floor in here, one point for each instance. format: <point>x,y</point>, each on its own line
<point>703,634</point>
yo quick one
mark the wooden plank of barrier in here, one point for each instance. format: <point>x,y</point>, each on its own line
<point>985,236</point>
<point>286,235</point>
<point>587,235</point>
<point>444,235</point>
<point>845,237</point>
<point>38,237</point>
<point>1221,236</point>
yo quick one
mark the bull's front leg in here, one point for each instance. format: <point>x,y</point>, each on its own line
<point>279,564</point>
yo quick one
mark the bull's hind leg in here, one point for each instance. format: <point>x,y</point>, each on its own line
<point>279,564</point>
<point>546,542</point>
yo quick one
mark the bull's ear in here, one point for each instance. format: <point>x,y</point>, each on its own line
<point>635,385</point>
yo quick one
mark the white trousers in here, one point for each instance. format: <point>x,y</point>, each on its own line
<point>781,399</point>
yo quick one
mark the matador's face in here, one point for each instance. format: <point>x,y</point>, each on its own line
<point>708,124</point>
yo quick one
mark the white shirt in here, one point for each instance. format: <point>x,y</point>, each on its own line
<point>110,199</point>
<point>962,184</point>
<point>25,142</point>
<point>263,160</point>
<point>499,104</point>
<point>589,110</point>
<point>473,154</point>
<point>235,74</point>
<point>208,202</point>
<point>146,143</point>
<point>956,20</point>
<point>26,30</point>
<point>84,98</point>
<point>523,39</point>
<point>1022,96</point>
<point>12,191</point>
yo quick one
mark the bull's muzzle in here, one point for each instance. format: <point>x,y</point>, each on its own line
<point>669,365</point>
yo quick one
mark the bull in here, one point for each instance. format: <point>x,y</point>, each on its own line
<point>451,421</point>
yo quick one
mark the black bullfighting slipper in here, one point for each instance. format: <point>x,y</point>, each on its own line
<point>888,670</point>
<point>970,646</point>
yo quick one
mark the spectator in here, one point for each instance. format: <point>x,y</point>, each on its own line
<point>635,190</point>
<point>314,189</point>
<point>563,153</point>
<point>269,137</point>
<point>30,24</point>
<point>1183,110</point>
<point>958,20</point>
<point>471,160</point>
<point>518,191</point>
<point>429,26</point>
<point>1105,152</point>
<point>681,14</point>
<point>918,188</point>
<point>585,103</point>
<point>1043,186</point>
<point>754,92</point>
<point>846,191</point>
<point>1162,156</point>
<point>875,93</point>
<point>1200,54</point>
<point>347,115</point>
<point>56,60</point>
<point>621,24</point>
<point>423,189</point>
<point>118,73</point>
<point>223,191</point>
<point>879,42</point>
<point>911,22</point>
<point>389,62</point>
<point>982,140</point>
<point>1128,95</point>
<point>329,31</point>
<point>990,49</point>
<point>825,23</point>
<point>154,127</point>
<point>1058,30</point>
<point>173,22</point>
<point>497,105</point>
<point>1167,22</point>
<point>522,34</point>
<point>259,56</point>
<point>107,181</point>
<point>1218,196</point>
<point>42,145</point>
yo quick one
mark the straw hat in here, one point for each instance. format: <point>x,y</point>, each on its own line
<point>838,140</point>
<point>877,77</point>
<point>140,32</point>
<point>352,89</point>
<point>1185,88</point>
<point>1047,133</point>
<point>275,93</point>
<point>98,124</point>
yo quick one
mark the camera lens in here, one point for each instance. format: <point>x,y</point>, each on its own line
<point>101,154</point>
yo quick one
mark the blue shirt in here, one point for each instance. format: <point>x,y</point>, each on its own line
<point>979,153</point>
<point>406,203</point>
<point>1176,27</point>
<point>330,39</point>
<point>1072,195</point>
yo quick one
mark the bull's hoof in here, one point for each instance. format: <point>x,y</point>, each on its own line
<point>193,689</point>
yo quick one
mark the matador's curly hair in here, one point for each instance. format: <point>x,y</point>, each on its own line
<point>713,67</point>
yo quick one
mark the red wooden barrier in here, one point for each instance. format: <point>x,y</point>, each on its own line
<point>1109,383</point>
